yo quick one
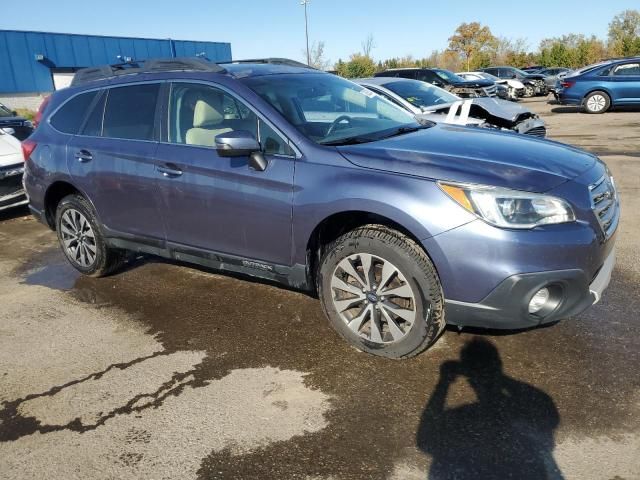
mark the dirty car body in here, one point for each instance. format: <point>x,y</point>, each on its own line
<point>429,102</point>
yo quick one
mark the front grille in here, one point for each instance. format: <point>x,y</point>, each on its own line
<point>537,132</point>
<point>604,202</point>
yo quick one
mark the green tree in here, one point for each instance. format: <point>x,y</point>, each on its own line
<point>624,34</point>
<point>471,40</point>
<point>358,66</point>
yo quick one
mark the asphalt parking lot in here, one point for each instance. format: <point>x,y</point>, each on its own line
<point>170,372</point>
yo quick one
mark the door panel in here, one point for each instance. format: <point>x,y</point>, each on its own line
<point>118,174</point>
<point>121,181</point>
<point>219,203</point>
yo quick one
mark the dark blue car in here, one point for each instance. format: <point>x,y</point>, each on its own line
<point>599,87</point>
<point>282,172</point>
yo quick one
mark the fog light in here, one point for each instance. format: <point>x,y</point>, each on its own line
<point>539,300</point>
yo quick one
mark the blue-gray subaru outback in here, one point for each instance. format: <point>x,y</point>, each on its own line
<point>275,170</point>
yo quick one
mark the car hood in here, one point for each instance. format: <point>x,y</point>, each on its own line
<point>474,155</point>
<point>495,107</point>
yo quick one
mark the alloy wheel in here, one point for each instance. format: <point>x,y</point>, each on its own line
<point>596,103</point>
<point>78,238</point>
<point>373,297</point>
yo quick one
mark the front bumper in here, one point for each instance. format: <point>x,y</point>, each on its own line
<point>506,307</point>
<point>12,192</point>
<point>532,126</point>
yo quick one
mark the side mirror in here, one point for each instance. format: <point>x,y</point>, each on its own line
<point>14,113</point>
<point>514,75</point>
<point>241,144</point>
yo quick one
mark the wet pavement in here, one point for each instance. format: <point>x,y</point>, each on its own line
<point>171,371</point>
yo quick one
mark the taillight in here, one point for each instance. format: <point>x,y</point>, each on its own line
<point>567,84</point>
<point>27,148</point>
<point>43,106</point>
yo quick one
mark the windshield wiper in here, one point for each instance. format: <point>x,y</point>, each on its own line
<point>403,130</point>
<point>349,141</point>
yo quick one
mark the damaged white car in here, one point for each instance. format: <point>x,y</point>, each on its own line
<point>429,102</point>
<point>11,171</point>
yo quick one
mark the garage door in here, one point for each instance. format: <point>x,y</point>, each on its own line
<point>62,80</point>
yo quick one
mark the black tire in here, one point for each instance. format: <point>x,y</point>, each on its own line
<point>416,268</point>
<point>594,107</point>
<point>107,260</point>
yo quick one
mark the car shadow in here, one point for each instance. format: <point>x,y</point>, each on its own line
<point>577,109</point>
<point>13,213</point>
<point>507,432</point>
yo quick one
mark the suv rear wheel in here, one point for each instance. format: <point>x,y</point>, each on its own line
<point>597,102</point>
<point>381,292</point>
<point>81,239</point>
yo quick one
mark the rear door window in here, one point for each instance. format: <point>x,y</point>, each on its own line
<point>70,117</point>
<point>130,112</point>
<point>627,69</point>
<point>93,125</point>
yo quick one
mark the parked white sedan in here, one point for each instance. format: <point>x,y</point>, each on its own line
<point>11,171</point>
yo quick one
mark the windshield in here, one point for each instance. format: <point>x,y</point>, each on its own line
<point>5,112</point>
<point>421,94</point>
<point>331,110</point>
<point>521,72</point>
<point>448,76</point>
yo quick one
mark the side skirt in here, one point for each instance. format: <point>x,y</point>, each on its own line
<point>295,277</point>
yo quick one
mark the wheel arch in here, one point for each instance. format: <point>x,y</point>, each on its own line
<point>598,89</point>
<point>338,223</point>
<point>54,194</point>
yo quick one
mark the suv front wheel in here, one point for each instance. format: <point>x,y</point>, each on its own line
<point>381,292</point>
<point>81,239</point>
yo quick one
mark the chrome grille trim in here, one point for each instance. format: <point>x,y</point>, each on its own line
<point>604,203</point>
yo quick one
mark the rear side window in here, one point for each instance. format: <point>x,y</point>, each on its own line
<point>93,125</point>
<point>130,112</point>
<point>70,117</point>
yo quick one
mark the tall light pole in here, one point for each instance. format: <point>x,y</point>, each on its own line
<point>306,29</point>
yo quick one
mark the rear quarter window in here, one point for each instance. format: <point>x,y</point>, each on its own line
<point>130,112</point>
<point>69,118</point>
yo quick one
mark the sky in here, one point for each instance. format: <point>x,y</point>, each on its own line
<point>275,28</point>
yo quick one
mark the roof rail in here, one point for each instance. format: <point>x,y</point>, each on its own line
<point>183,64</point>
<point>276,61</point>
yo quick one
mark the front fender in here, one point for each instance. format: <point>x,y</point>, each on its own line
<point>417,204</point>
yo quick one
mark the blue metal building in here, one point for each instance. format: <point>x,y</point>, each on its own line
<point>30,61</point>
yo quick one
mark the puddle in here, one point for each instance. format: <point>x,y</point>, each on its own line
<point>58,276</point>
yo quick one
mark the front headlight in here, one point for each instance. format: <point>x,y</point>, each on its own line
<point>507,208</point>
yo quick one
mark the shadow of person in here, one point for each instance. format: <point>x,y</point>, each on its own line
<point>506,433</point>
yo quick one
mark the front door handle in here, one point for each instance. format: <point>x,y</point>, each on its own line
<point>169,171</point>
<point>84,156</point>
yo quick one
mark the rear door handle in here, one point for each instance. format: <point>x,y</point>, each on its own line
<point>169,171</point>
<point>84,156</point>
